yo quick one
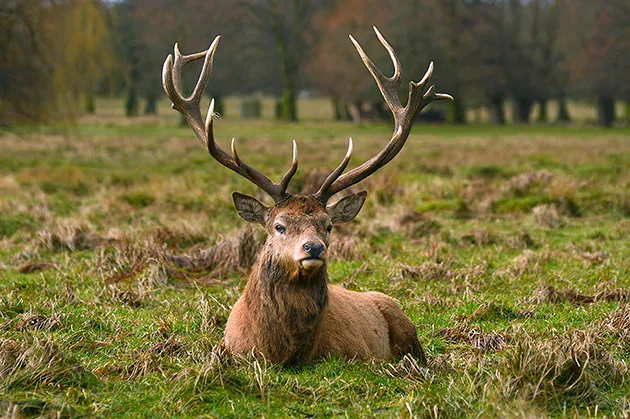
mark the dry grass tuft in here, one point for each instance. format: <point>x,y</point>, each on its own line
<point>427,271</point>
<point>384,189</point>
<point>521,240</point>
<point>127,297</point>
<point>561,368</point>
<point>37,363</point>
<point>618,323</point>
<point>415,225</point>
<point>69,237</point>
<point>10,351</point>
<point>177,238</point>
<point>521,184</point>
<point>614,294</point>
<point>462,280</point>
<point>495,311</point>
<point>547,215</point>
<point>213,316</point>
<point>593,258</point>
<point>551,294</point>
<point>441,270</point>
<point>527,262</point>
<point>214,365</point>
<point>125,261</point>
<point>433,301</point>
<point>151,358</point>
<point>346,248</point>
<point>410,369</point>
<point>170,347</point>
<point>463,333</point>
<point>31,321</point>
<point>480,238</point>
<point>236,253</point>
<point>478,194</point>
<point>217,367</point>
<point>32,267</point>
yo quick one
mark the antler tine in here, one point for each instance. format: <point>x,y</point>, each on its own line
<point>387,85</point>
<point>172,83</point>
<point>284,183</point>
<point>189,108</point>
<point>404,118</point>
<point>278,191</point>
<point>335,173</point>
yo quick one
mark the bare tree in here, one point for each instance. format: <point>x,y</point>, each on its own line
<point>286,23</point>
<point>601,64</point>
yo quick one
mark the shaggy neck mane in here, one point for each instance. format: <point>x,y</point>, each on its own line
<point>287,307</point>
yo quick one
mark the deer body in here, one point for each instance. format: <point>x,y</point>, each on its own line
<point>361,325</point>
<point>292,314</point>
<point>289,311</point>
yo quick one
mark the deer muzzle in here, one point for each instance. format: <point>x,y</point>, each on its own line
<point>310,254</point>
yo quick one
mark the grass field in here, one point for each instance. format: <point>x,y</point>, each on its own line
<point>509,248</point>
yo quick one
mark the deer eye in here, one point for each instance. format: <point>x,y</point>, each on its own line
<point>329,228</point>
<point>280,229</point>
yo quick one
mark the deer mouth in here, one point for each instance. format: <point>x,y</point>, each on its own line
<point>311,263</point>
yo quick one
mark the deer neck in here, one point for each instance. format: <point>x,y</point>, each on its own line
<point>286,306</point>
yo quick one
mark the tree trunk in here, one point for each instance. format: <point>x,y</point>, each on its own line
<point>606,111</point>
<point>131,104</point>
<point>251,108</point>
<point>456,112</point>
<point>378,108</point>
<point>542,112</point>
<point>289,107</point>
<point>277,109</point>
<point>354,109</point>
<point>347,114</point>
<point>522,110</point>
<point>337,110</point>
<point>90,104</point>
<point>151,106</point>
<point>288,110</point>
<point>219,105</point>
<point>563,111</point>
<point>496,111</point>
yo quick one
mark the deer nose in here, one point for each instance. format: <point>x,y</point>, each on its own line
<point>314,250</point>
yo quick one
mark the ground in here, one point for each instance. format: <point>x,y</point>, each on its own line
<point>121,254</point>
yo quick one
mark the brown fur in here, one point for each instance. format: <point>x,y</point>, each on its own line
<point>293,315</point>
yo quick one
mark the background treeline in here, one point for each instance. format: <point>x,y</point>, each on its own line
<point>57,55</point>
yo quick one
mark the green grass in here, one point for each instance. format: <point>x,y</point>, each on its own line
<point>509,248</point>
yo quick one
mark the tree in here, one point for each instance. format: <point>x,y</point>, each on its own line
<point>52,52</point>
<point>150,28</point>
<point>286,24</point>
<point>601,66</point>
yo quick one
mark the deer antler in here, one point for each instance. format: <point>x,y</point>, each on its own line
<point>189,108</point>
<point>404,118</point>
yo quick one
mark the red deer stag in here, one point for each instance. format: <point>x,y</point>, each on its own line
<point>288,311</point>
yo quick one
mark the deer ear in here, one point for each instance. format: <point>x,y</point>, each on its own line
<point>346,208</point>
<point>249,208</point>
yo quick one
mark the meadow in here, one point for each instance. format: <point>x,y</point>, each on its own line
<point>121,255</point>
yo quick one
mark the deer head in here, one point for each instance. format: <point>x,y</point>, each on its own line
<point>299,227</point>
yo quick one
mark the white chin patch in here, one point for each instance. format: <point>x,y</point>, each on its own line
<point>310,264</point>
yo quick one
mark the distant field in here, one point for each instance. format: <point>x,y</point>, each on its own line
<point>508,247</point>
